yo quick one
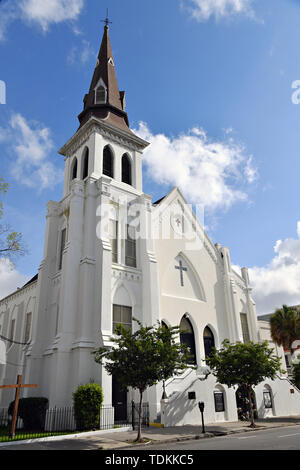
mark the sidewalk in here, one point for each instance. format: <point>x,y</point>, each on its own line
<point>121,440</point>
<point>182,433</point>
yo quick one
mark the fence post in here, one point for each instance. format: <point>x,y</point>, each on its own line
<point>132,413</point>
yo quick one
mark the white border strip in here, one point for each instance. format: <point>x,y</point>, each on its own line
<point>66,436</point>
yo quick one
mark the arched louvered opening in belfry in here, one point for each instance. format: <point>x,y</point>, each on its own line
<point>209,341</point>
<point>108,162</point>
<point>100,95</point>
<point>187,337</point>
<point>126,169</point>
<point>74,169</point>
<point>85,163</point>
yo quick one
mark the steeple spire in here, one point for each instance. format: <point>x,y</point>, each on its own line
<point>104,100</point>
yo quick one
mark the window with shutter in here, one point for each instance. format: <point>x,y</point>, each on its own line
<point>114,240</point>
<point>62,247</point>
<point>28,327</point>
<point>245,328</point>
<point>122,316</point>
<point>130,249</point>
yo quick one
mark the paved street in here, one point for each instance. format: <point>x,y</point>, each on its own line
<point>272,433</point>
<point>272,439</point>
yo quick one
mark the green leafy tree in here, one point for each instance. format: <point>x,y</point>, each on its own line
<point>285,327</point>
<point>245,365</point>
<point>11,243</point>
<point>143,358</point>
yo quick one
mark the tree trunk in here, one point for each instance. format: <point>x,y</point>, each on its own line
<point>139,436</point>
<point>164,395</point>
<point>252,425</point>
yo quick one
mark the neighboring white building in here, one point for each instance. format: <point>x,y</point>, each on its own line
<point>98,270</point>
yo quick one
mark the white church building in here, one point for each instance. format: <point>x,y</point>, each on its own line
<point>111,254</point>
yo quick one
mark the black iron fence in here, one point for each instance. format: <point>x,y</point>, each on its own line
<point>133,414</point>
<point>60,421</point>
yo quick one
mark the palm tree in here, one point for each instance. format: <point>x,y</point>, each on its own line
<point>285,327</point>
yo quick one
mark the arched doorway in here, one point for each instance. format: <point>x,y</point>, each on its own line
<point>209,341</point>
<point>242,403</point>
<point>187,337</point>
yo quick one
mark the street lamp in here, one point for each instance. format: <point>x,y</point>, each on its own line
<point>201,408</point>
<point>203,372</point>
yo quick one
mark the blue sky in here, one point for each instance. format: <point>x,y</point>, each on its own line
<point>208,82</point>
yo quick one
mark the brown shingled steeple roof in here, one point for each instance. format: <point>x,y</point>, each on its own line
<point>112,109</point>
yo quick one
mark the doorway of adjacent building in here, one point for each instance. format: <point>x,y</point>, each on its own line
<point>242,403</point>
<point>119,400</point>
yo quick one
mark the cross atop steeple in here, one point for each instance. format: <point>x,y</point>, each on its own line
<point>106,21</point>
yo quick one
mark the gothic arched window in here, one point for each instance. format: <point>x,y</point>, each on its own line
<point>108,162</point>
<point>74,169</point>
<point>100,95</point>
<point>209,341</point>
<point>85,163</point>
<point>126,169</point>
<point>187,337</point>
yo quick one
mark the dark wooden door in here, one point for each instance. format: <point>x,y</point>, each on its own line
<point>119,400</point>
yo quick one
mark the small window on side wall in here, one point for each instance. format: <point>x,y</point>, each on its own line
<point>267,399</point>
<point>28,327</point>
<point>219,402</point>
<point>12,330</point>
<point>63,237</point>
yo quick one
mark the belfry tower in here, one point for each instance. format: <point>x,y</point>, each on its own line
<point>94,272</point>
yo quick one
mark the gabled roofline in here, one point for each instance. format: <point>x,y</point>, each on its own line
<point>164,203</point>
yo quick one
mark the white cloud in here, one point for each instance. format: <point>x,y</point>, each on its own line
<point>50,11</point>
<point>40,12</point>
<point>213,174</point>
<point>30,144</point>
<point>10,278</point>
<point>278,282</point>
<point>81,54</point>
<point>203,10</point>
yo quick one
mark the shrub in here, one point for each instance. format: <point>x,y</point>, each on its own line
<point>296,374</point>
<point>87,403</point>
<point>32,411</point>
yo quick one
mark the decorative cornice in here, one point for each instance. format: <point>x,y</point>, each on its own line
<point>18,293</point>
<point>94,125</point>
<point>126,274</point>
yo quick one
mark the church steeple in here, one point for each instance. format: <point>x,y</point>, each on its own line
<point>104,100</point>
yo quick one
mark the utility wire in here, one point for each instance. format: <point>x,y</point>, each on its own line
<point>12,341</point>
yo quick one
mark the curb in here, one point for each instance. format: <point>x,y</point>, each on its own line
<point>64,437</point>
<point>175,439</point>
<point>206,435</point>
